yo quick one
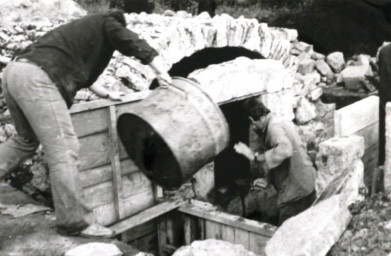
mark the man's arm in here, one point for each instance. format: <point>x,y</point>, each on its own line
<point>104,93</point>
<point>130,44</point>
<point>281,146</point>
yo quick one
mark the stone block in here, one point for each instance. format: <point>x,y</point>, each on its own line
<point>323,68</point>
<point>225,81</point>
<point>336,156</point>
<point>309,80</point>
<point>353,76</point>
<point>303,47</point>
<point>305,111</point>
<point>336,61</point>
<point>317,56</point>
<point>314,93</point>
<point>306,66</point>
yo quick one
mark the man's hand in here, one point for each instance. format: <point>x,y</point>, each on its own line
<point>259,184</point>
<point>244,150</point>
<point>116,96</point>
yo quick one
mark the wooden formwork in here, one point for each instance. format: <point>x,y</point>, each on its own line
<point>123,198</point>
<point>197,220</point>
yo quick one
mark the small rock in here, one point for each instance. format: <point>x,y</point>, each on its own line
<point>336,61</point>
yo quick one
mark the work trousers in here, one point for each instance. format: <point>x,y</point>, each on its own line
<point>40,115</point>
<point>296,207</point>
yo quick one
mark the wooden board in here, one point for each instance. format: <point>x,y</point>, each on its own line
<point>146,215</point>
<point>356,116</point>
<point>253,235</point>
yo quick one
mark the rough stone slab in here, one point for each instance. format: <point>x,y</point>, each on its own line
<point>336,61</point>
<point>306,66</point>
<point>303,47</point>
<point>305,111</point>
<point>335,156</point>
<point>314,231</point>
<point>387,163</point>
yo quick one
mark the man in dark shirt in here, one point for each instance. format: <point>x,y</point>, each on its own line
<point>283,160</point>
<point>39,87</point>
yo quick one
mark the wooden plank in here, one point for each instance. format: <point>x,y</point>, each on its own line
<point>146,215</point>
<point>105,214</point>
<point>94,151</point>
<point>90,122</point>
<point>228,233</point>
<point>257,243</point>
<point>100,194</point>
<point>356,116</point>
<point>201,226</point>
<point>104,173</point>
<point>242,237</point>
<point>190,229</point>
<point>139,231</point>
<point>162,235</point>
<point>370,135</point>
<point>229,219</point>
<point>115,163</point>
<point>146,243</point>
<point>213,230</point>
<point>102,103</point>
<point>135,183</point>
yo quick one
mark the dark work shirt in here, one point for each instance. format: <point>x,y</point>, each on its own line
<point>75,54</point>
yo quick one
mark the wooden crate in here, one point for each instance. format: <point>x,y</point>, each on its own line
<point>200,221</point>
<point>111,183</point>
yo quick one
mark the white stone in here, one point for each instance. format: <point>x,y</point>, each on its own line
<point>354,75</point>
<point>306,66</point>
<point>94,249</point>
<point>323,68</point>
<point>212,247</point>
<point>252,40</point>
<point>336,156</point>
<point>222,24</point>
<point>315,92</point>
<point>305,111</point>
<point>303,47</point>
<point>336,61</point>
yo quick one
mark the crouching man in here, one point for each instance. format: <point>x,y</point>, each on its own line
<point>283,160</point>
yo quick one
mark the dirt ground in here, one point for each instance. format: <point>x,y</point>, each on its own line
<point>35,234</point>
<point>369,231</point>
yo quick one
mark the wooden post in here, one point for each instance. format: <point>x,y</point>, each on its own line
<point>115,163</point>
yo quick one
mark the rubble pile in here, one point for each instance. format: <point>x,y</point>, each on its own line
<point>369,230</point>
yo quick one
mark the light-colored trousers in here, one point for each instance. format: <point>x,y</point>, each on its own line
<point>40,115</point>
